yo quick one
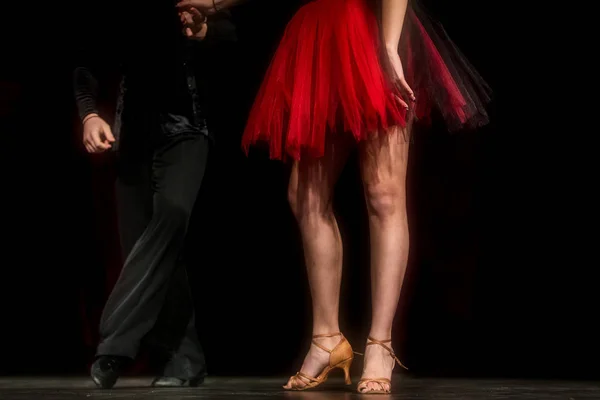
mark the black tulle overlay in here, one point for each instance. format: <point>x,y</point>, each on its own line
<point>441,76</point>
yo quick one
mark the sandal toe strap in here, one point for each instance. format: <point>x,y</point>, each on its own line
<point>381,381</point>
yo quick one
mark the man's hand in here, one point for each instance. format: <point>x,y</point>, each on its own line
<point>97,136</point>
<point>194,24</point>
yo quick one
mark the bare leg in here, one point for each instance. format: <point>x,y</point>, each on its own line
<point>310,195</point>
<point>383,168</point>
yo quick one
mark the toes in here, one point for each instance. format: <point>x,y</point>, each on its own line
<point>294,383</point>
<point>369,387</point>
<point>383,387</point>
<point>366,387</point>
<point>289,384</point>
<point>378,386</point>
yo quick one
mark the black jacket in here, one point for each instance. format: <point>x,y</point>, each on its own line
<point>149,57</point>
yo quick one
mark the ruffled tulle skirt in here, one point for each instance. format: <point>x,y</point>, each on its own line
<point>329,76</point>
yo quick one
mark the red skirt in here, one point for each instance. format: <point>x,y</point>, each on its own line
<point>327,77</point>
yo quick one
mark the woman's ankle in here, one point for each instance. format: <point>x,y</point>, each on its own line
<point>331,331</point>
<point>380,334</point>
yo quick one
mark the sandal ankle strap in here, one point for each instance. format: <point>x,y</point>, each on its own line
<point>382,343</point>
<point>325,335</point>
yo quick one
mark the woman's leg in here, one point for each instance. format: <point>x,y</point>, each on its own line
<point>310,195</point>
<point>383,168</point>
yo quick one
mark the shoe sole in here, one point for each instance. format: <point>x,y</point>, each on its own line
<point>190,383</point>
<point>100,385</point>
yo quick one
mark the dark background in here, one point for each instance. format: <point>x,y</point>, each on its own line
<point>497,284</point>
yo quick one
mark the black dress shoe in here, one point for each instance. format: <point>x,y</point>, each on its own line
<point>106,370</point>
<point>166,381</point>
<point>180,370</point>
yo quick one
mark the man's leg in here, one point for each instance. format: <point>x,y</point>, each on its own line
<point>133,308</point>
<point>175,337</point>
<point>187,364</point>
<point>134,206</point>
<point>138,298</point>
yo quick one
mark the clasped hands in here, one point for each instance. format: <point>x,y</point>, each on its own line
<point>193,15</point>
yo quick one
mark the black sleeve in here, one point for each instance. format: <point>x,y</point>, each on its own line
<point>220,29</point>
<point>85,86</point>
<point>98,57</point>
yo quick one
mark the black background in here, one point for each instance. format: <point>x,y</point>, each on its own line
<point>497,285</point>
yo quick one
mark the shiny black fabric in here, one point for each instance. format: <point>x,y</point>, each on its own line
<point>159,175</point>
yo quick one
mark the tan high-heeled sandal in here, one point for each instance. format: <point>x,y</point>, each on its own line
<point>381,381</point>
<point>340,357</point>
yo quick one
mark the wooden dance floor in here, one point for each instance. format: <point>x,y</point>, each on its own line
<point>221,388</point>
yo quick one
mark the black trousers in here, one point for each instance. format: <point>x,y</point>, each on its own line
<point>161,164</point>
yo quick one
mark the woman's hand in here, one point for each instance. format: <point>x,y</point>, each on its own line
<point>205,7</point>
<point>399,78</point>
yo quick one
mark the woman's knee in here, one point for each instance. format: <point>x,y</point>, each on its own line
<point>309,206</point>
<point>385,199</point>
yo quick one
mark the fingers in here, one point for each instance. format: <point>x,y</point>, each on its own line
<point>94,142</point>
<point>400,81</point>
<point>88,147</point>
<point>184,4</point>
<point>186,19</point>
<point>407,89</point>
<point>88,143</point>
<point>110,138</point>
<point>205,7</point>
<point>91,147</point>
<point>196,15</point>
<point>402,102</point>
<point>97,136</point>
<point>193,22</point>
<point>99,144</point>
